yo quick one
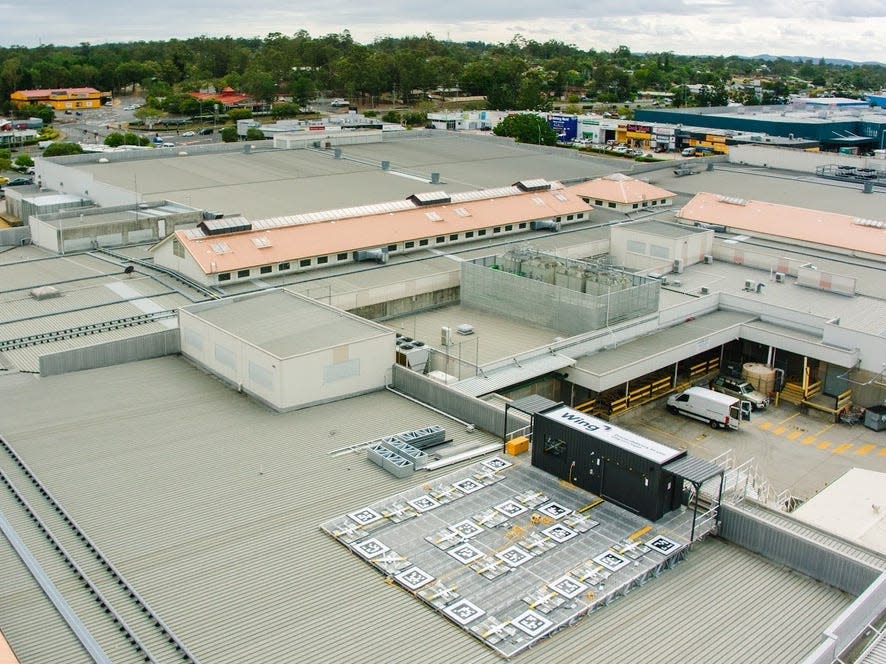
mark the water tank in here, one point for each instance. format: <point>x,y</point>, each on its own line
<point>760,376</point>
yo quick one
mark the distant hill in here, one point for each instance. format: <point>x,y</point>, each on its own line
<point>801,58</point>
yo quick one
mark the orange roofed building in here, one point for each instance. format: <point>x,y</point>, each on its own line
<point>232,249</point>
<point>623,193</point>
<point>60,98</point>
<point>227,97</point>
<point>804,227</point>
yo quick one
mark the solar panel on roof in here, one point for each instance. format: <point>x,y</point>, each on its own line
<point>433,216</point>
<point>261,242</point>
<point>533,185</point>
<point>462,212</point>
<point>560,197</point>
<point>537,200</point>
<point>224,225</point>
<point>220,247</point>
<point>732,200</point>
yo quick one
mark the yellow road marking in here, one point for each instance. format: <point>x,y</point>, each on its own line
<point>864,449</point>
<point>882,452</point>
<point>823,445</point>
<point>808,440</point>
<point>788,419</point>
<point>779,430</point>
<point>793,435</point>
<point>765,425</point>
<point>839,449</point>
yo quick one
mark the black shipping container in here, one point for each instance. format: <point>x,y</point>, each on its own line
<point>613,463</point>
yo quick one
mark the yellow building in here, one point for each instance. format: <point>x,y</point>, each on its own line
<point>60,98</point>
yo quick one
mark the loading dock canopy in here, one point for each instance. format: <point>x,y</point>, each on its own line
<point>621,438</point>
<point>693,469</point>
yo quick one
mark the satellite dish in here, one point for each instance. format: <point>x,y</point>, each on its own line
<point>129,269</point>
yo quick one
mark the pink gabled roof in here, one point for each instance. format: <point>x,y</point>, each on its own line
<point>814,226</point>
<point>307,240</point>
<point>620,188</point>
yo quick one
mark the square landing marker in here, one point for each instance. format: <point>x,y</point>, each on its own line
<point>414,578</point>
<point>463,612</point>
<point>466,528</point>
<point>662,544</point>
<point>370,548</point>
<point>510,508</point>
<point>514,556</point>
<point>611,560</point>
<point>497,463</point>
<point>467,485</point>
<point>554,510</point>
<point>560,533</point>
<point>424,503</point>
<point>365,516</point>
<point>532,623</point>
<point>568,587</point>
<point>465,553</point>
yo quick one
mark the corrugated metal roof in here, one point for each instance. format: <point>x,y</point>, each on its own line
<point>693,468</point>
<point>217,503</point>
<point>526,369</point>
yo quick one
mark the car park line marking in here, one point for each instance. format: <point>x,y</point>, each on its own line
<point>788,419</point>
<point>765,425</point>
<point>808,440</point>
<point>864,449</point>
<point>823,445</point>
<point>882,452</point>
<point>828,427</point>
<point>839,449</point>
<point>793,435</point>
<point>779,430</point>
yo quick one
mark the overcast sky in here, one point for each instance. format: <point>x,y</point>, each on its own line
<point>849,29</point>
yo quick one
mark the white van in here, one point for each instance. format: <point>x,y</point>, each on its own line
<point>715,408</point>
<point>688,152</point>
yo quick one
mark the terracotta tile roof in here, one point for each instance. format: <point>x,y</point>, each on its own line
<point>825,228</point>
<point>620,188</point>
<point>227,96</point>
<point>233,251</point>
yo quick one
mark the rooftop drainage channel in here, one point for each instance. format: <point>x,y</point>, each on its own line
<point>186,655</point>
<point>58,601</point>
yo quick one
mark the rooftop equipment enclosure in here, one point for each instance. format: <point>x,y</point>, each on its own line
<point>617,465</point>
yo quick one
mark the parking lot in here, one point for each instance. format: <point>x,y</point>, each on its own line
<point>801,453</point>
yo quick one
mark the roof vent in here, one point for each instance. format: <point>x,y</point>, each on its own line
<point>431,198</point>
<point>224,225</point>
<point>533,185</point>
<point>45,292</point>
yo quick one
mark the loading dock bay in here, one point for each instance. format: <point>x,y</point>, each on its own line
<point>797,452</point>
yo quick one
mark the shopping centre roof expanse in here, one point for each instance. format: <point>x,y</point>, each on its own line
<point>269,182</point>
<point>221,505</point>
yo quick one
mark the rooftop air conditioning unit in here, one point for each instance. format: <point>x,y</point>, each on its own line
<point>664,280</point>
<point>779,277</point>
<point>678,265</point>
<point>749,285</point>
<point>445,336</point>
<point>708,259</point>
<point>465,328</point>
<point>705,290</point>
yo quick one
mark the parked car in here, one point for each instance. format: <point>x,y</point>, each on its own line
<point>19,182</point>
<point>206,131</point>
<point>187,133</point>
<point>742,389</point>
<point>166,144</point>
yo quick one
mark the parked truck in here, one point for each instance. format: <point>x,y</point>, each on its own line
<point>715,408</point>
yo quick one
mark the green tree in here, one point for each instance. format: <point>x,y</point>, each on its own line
<point>302,90</point>
<point>255,134</point>
<point>42,111</point>
<point>62,149</point>
<point>229,134</point>
<point>23,161</point>
<point>239,114</point>
<point>526,128</point>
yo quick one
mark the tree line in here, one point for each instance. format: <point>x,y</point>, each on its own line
<point>520,74</point>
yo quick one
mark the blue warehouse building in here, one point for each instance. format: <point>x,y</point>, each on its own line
<point>832,127</point>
